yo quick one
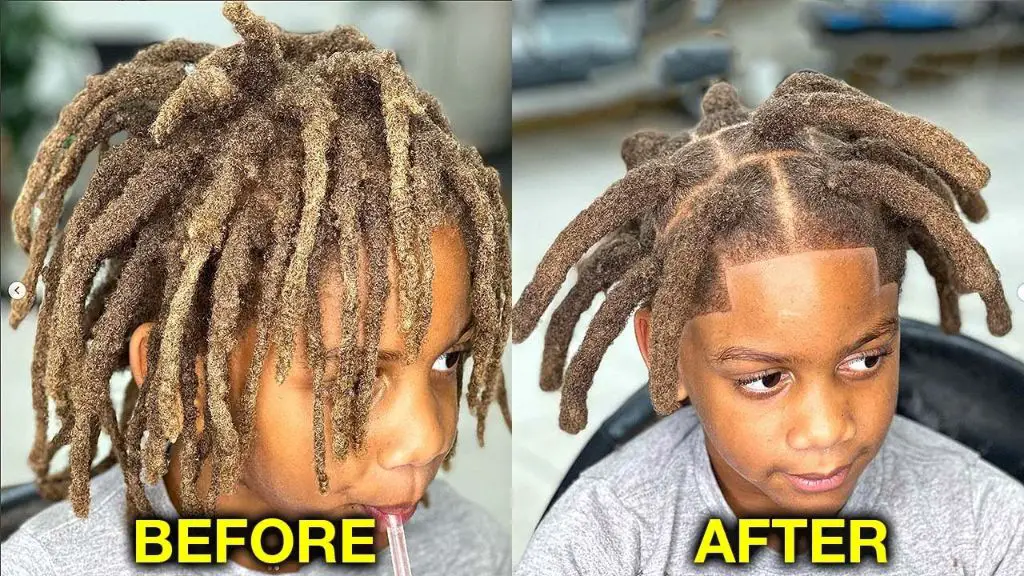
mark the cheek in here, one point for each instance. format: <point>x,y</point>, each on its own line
<point>282,458</point>
<point>450,414</point>
<point>448,400</point>
<point>745,435</point>
<point>431,406</point>
<point>874,403</point>
<point>749,439</point>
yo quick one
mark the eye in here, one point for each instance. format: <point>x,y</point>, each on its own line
<point>448,361</point>
<point>867,362</point>
<point>762,383</point>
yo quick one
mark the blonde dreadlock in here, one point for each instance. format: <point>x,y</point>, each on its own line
<point>243,170</point>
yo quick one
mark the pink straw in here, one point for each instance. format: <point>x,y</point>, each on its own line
<point>396,540</point>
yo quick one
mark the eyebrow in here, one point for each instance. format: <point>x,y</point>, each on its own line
<point>390,356</point>
<point>730,353</point>
<point>881,328</point>
<point>742,353</point>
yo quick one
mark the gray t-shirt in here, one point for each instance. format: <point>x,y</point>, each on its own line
<point>643,510</point>
<point>450,537</point>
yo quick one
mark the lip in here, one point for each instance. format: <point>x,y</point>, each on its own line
<point>403,511</point>
<point>816,483</point>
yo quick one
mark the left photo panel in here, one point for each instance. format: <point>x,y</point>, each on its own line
<point>256,282</point>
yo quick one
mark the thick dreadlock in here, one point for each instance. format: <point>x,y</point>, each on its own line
<point>746,185</point>
<point>243,170</point>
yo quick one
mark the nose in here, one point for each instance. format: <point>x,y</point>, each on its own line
<point>823,417</point>
<point>417,432</point>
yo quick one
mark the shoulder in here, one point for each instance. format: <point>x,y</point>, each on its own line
<point>921,443</point>
<point>919,458</point>
<point>608,521</point>
<point>57,533</point>
<point>621,508</point>
<point>923,453</point>
<point>452,522</point>
<point>644,466</point>
<point>463,515</point>
<point>997,505</point>
<point>980,502</point>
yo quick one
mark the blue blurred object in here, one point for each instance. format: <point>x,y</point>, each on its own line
<point>695,60</point>
<point>901,15</point>
<point>566,43</point>
<point>690,67</point>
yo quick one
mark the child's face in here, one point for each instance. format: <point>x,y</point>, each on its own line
<point>411,426</point>
<point>792,384</point>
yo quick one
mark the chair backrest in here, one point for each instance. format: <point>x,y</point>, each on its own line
<point>18,503</point>
<point>956,385</point>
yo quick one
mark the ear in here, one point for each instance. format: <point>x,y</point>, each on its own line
<point>138,346</point>
<point>642,329</point>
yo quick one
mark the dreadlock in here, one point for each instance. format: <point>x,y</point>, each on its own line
<point>239,172</point>
<point>745,185</point>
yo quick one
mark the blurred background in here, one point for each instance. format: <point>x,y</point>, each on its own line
<point>458,51</point>
<point>587,73</point>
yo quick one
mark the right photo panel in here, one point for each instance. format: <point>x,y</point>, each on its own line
<point>767,284</point>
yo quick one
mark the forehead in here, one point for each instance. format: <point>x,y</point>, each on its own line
<point>450,290</point>
<point>449,254</point>
<point>807,299</point>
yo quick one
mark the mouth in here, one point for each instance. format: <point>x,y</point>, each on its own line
<point>403,511</point>
<point>816,483</point>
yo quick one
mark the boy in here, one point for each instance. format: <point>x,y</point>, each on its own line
<point>299,258</point>
<point>764,252</point>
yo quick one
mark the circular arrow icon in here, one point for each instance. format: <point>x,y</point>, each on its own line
<point>17,290</point>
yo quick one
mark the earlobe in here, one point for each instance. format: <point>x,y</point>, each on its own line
<point>138,346</point>
<point>681,393</point>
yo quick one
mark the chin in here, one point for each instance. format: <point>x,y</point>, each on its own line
<point>821,509</point>
<point>313,506</point>
<point>813,505</point>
